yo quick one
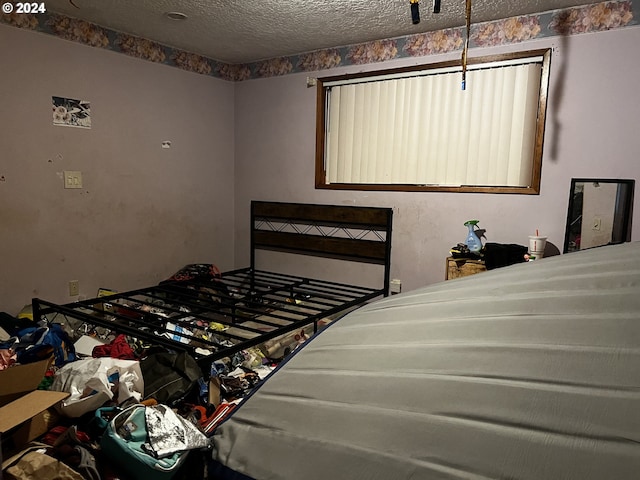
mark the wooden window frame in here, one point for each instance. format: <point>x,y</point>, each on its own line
<point>532,189</point>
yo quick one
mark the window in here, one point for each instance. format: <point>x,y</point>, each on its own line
<point>416,129</point>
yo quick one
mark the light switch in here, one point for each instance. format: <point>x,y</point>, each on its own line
<point>597,222</point>
<point>72,179</point>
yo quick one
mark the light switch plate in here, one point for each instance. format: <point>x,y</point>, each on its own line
<point>72,179</point>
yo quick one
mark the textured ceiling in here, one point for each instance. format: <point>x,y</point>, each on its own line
<point>244,31</point>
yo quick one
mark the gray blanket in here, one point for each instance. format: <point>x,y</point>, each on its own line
<point>527,372</point>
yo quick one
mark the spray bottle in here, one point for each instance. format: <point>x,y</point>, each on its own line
<point>473,241</point>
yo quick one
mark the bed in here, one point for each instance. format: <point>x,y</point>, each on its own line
<point>214,315</point>
<point>527,372</point>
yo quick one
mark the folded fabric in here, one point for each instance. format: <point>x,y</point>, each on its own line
<point>501,254</point>
<point>119,348</point>
<point>35,343</point>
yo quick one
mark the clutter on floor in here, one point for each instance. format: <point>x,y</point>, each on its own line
<point>80,404</point>
<point>117,361</point>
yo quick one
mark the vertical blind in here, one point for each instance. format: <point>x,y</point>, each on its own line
<point>426,130</point>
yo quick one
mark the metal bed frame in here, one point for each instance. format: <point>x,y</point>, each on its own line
<point>254,306</point>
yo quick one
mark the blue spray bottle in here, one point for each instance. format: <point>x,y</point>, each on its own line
<point>473,241</point>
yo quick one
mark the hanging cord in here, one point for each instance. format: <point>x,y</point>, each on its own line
<point>415,11</point>
<point>466,46</point>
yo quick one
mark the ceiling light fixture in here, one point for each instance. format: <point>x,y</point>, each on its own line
<point>175,15</point>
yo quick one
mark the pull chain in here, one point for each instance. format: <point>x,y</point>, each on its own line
<point>466,46</point>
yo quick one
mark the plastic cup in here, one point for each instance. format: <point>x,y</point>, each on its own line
<point>536,246</point>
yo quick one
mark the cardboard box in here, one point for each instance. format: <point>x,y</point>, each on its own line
<point>22,407</point>
<point>22,379</point>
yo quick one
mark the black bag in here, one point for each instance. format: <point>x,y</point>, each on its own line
<point>502,255</point>
<point>169,377</point>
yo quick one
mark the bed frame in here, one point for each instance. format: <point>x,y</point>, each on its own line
<point>254,306</point>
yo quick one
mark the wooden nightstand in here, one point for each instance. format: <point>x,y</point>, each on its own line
<point>462,267</point>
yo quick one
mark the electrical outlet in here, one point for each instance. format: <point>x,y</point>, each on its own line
<point>74,288</point>
<point>395,286</point>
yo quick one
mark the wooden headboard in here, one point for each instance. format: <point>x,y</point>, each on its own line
<point>361,234</point>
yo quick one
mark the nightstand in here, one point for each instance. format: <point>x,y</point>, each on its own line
<point>462,267</point>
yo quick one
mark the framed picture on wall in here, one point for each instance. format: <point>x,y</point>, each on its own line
<point>68,112</point>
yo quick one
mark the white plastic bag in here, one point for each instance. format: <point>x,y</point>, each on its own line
<point>94,381</point>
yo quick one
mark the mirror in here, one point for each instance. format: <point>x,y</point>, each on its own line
<point>599,213</point>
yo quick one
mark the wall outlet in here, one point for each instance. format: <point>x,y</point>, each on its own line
<point>395,286</point>
<point>74,288</point>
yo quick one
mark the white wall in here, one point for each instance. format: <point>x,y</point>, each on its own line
<point>144,212</point>
<point>591,131</point>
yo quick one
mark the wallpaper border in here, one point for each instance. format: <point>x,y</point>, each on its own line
<point>572,21</point>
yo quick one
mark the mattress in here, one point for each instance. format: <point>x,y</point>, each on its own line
<point>529,372</point>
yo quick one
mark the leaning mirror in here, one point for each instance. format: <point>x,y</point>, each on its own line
<point>599,213</point>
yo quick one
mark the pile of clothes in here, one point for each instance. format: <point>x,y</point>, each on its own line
<point>133,410</point>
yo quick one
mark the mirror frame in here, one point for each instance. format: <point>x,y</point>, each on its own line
<point>622,214</point>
